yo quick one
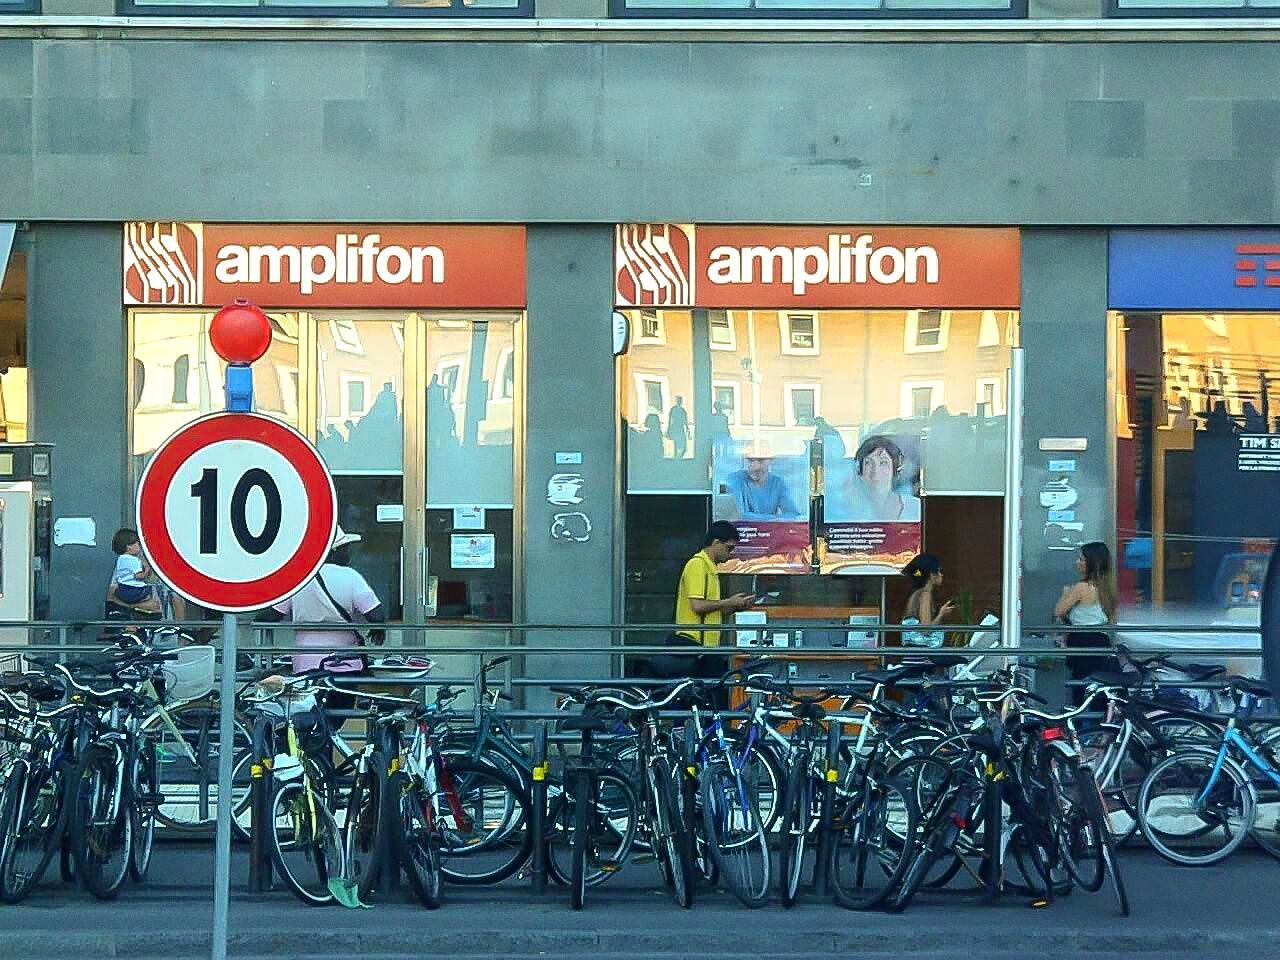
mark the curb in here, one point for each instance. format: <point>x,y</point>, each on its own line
<point>40,944</point>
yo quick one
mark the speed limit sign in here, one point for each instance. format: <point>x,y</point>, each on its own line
<point>236,511</point>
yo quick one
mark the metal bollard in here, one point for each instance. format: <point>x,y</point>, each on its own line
<point>259,800</point>
<point>689,791</point>
<point>537,827</point>
<point>992,835</point>
<point>826,825</point>
<point>388,879</point>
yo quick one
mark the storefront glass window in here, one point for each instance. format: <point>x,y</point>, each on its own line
<point>13,350</point>
<point>330,7</point>
<point>340,376</point>
<point>690,388</point>
<point>177,378</point>
<point>818,8</point>
<point>470,365</point>
<point>697,386</point>
<point>1198,457</point>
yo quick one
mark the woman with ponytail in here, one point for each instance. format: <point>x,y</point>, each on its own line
<point>925,574</point>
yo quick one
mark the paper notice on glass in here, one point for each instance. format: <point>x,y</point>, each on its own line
<point>471,551</point>
<point>468,518</point>
<point>750,638</point>
<point>75,531</point>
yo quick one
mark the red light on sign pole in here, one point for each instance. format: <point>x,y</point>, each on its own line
<point>240,332</point>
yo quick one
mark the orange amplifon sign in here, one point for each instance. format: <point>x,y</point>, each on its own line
<point>681,265</point>
<point>324,265</point>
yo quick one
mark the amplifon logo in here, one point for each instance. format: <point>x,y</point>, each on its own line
<point>1258,261</point>
<point>303,266</point>
<point>724,266</point>
<point>351,258</point>
<point>653,264</point>
<point>842,260</point>
<point>164,263</point>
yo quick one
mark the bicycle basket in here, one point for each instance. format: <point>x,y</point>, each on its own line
<point>191,676</point>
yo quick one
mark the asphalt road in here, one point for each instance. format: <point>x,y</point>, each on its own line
<point>1227,911</point>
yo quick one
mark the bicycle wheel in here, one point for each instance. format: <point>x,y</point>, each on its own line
<point>187,769</point>
<point>1098,748</point>
<point>362,837</point>
<point>417,839</point>
<point>1189,817</point>
<point>796,814</point>
<point>1266,822</point>
<point>483,821</point>
<point>672,844</point>
<point>928,780</point>
<point>871,845</point>
<point>1081,835</point>
<point>611,827</point>
<point>143,794</point>
<point>1092,800</point>
<point>306,845</point>
<point>101,824</point>
<point>735,837</point>
<point>29,813</point>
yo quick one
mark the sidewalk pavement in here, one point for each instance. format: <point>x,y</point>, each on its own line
<point>1227,911</point>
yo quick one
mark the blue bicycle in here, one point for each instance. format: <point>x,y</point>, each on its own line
<point>1198,805</point>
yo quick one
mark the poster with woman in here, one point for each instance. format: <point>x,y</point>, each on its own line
<point>871,520</point>
<point>762,487</point>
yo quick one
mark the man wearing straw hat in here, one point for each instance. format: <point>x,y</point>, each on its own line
<point>758,492</point>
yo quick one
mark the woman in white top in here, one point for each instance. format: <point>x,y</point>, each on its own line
<point>1089,602</point>
<point>925,574</point>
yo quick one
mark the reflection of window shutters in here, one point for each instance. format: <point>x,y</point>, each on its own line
<point>181,375</point>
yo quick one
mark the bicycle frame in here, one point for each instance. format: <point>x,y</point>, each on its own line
<point>1233,738</point>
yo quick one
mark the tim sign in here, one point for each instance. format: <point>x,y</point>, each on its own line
<point>207,264</point>
<point>681,265</point>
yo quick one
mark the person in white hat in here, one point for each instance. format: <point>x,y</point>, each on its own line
<point>337,594</point>
<point>758,492</point>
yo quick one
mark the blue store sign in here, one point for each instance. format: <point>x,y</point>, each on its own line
<point>1194,269</point>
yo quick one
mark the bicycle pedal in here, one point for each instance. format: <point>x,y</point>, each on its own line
<point>1038,903</point>
<point>610,866</point>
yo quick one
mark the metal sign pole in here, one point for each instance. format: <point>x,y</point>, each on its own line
<point>1011,622</point>
<point>226,756</point>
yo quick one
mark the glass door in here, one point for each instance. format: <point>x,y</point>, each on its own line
<point>468,366</point>
<point>361,381</point>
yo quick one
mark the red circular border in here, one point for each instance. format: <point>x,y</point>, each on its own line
<point>275,586</point>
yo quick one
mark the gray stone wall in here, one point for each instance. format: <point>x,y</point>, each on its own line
<point>926,132</point>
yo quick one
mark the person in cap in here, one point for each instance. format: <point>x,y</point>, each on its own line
<point>758,492</point>
<point>338,594</point>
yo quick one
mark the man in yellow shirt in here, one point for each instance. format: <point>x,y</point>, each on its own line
<point>698,603</point>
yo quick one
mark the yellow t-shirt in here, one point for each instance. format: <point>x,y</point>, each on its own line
<point>699,581</point>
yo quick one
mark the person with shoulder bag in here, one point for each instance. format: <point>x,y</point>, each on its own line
<point>338,594</point>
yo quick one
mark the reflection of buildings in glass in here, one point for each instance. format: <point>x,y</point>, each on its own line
<point>177,377</point>
<point>934,373</point>
<point>1185,512</point>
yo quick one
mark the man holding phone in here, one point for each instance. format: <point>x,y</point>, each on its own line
<point>699,604</point>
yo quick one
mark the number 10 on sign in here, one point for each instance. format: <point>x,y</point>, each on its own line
<point>236,511</point>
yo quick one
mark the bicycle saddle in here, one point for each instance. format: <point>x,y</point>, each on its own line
<point>591,720</point>
<point>1249,685</point>
<point>893,674</point>
<point>1199,671</point>
<point>809,711</point>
